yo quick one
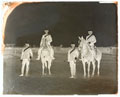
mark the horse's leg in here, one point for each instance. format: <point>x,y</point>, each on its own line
<point>98,67</point>
<point>99,56</point>
<point>88,69</point>
<point>84,68</point>
<point>43,67</point>
<point>49,66</point>
<point>93,72</point>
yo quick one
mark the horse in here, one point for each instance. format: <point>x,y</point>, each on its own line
<point>89,56</point>
<point>46,59</point>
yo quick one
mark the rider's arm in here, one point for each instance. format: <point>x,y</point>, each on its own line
<point>93,39</point>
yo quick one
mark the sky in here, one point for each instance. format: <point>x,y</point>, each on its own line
<point>65,21</point>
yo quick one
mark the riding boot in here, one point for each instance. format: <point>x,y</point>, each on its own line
<point>93,51</point>
<point>51,53</point>
<point>39,53</point>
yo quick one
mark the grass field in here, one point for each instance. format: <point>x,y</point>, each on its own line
<point>59,82</point>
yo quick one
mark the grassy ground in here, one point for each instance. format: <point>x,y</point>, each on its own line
<point>59,82</point>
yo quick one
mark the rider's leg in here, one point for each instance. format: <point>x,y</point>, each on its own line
<point>93,49</point>
<point>51,52</point>
<point>39,53</point>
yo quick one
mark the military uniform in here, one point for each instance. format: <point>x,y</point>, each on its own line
<point>91,39</point>
<point>25,57</point>
<point>72,57</point>
<point>46,39</point>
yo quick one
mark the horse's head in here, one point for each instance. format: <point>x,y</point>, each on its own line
<point>82,42</point>
<point>83,46</point>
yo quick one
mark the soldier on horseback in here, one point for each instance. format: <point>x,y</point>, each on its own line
<point>89,53</point>
<point>46,41</point>
<point>91,40</point>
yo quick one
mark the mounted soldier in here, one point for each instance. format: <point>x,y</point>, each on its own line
<point>91,40</point>
<point>46,41</point>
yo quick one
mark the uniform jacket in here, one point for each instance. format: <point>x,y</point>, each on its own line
<point>26,53</point>
<point>46,38</point>
<point>73,54</point>
<point>91,39</point>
